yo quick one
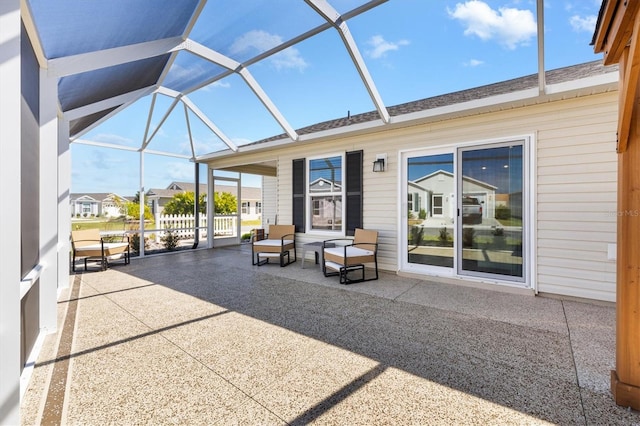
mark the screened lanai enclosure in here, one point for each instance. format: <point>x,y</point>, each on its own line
<point>149,89</point>
<point>127,103</point>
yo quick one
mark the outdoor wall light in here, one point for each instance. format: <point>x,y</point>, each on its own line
<point>378,165</point>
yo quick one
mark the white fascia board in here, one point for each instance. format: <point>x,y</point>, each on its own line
<point>608,79</point>
<point>83,62</point>
<point>202,116</point>
<point>464,108</point>
<point>126,98</point>
<point>266,101</point>
<point>596,84</point>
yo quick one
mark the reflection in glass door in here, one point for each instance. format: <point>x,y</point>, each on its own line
<point>430,213</point>
<point>491,206</point>
<point>226,219</point>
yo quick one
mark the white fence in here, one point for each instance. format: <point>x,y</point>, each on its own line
<point>183,225</point>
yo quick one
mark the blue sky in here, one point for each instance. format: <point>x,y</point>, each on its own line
<point>413,49</point>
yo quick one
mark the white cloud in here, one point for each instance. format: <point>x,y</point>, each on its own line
<point>256,41</point>
<point>508,26</point>
<point>382,46</point>
<point>180,171</point>
<point>586,24</point>
<point>473,63</point>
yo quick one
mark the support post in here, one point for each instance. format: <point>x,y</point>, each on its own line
<point>625,379</point>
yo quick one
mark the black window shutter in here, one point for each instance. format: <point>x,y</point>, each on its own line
<point>354,191</point>
<point>299,194</point>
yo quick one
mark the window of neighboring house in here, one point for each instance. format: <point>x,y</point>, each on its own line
<point>258,207</point>
<point>86,207</point>
<point>326,193</point>
<point>245,207</point>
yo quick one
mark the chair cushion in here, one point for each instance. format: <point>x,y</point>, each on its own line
<point>272,243</point>
<point>96,249</point>
<point>351,251</point>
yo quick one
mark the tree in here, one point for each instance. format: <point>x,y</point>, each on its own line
<point>225,203</point>
<point>183,203</point>
<point>132,209</point>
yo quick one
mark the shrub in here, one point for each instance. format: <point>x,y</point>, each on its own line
<point>417,233</point>
<point>468,235</point>
<point>503,212</point>
<point>135,243</point>
<point>423,214</point>
<point>443,236</point>
<point>170,239</point>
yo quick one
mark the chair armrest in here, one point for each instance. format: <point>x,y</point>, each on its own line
<point>375,245</point>
<point>350,240</point>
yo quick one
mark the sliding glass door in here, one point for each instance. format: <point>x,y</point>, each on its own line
<point>464,211</point>
<point>491,206</point>
<point>430,210</point>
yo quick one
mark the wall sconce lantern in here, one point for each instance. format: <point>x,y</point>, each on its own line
<point>378,165</point>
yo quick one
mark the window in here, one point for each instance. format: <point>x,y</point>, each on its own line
<point>245,207</point>
<point>326,193</point>
<point>320,199</point>
<point>258,207</point>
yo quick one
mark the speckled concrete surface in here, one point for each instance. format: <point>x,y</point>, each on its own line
<point>204,337</point>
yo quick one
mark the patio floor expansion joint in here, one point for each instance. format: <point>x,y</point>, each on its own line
<point>54,404</point>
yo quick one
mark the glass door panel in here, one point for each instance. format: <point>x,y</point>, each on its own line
<point>430,212</point>
<point>226,217</point>
<point>491,206</point>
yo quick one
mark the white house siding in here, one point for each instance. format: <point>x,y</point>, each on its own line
<point>575,176</point>
<point>577,190</point>
<point>269,200</point>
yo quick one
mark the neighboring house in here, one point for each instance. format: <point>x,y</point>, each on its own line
<point>543,158</point>
<point>97,204</point>
<point>250,203</point>
<point>435,194</point>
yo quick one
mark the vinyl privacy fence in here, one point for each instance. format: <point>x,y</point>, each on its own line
<point>184,225</point>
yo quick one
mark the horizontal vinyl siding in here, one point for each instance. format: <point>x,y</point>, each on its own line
<point>269,200</point>
<point>576,200</point>
<point>575,172</point>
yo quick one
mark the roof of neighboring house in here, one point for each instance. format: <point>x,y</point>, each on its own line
<point>561,75</point>
<point>97,196</point>
<point>248,192</point>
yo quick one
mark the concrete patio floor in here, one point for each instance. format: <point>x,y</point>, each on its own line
<point>204,337</point>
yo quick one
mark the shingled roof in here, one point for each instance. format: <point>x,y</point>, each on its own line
<point>560,75</point>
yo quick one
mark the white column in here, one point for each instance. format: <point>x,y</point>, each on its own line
<point>64,208</point>
<point>10,119</point>
<point>210,207</point>
<point>48,202</point>
<point>141,199</point>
